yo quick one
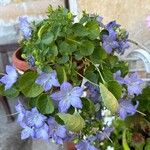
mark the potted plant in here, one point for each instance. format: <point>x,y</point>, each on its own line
<point>73,77</point>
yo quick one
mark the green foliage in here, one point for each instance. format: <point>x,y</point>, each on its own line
<point>11,93</point>
<point>109,99</point>
<point>144,100</point>
<point>87,103</point>
<point>98,55</point>
<point>86,48</point>
<point>73,122</point>
<point>57,37</point>
<point>45,104</point>
<point>28,86</point>
<point>147,146</point>
<point>115,88</point>
<point>61,73</point>
<point>124,141</point>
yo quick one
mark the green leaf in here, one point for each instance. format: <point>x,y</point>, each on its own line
<point>124,141</point>
<point>28,86</point>
<point>48,38</point>
<point>63,59</point>
<point>147,147</point>
<point>78,55</point>
<point>12,92</point>
<point>91,75</point>
<point>109,99</point>
<point>79,30</point>
<point>144,100</point>
<point>93,29</point>
<point>53,50</point>
<point>88,104</point>
<point>61,74</point>
<point>86,48</point>
<point>42,30</point>
<point>115,88</point>
<point>98,55</point>
<point>45,104</point>
<point>107,74</point>
<point>73,122</point>
<point>32,102</point>
<point>64,48</point>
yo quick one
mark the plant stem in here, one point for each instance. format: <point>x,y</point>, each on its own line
<point>107,137</point>
<point>97,70</point>
<point>73,41</point>
<point>9,115</point>
<point>138,44</point>
<point>141,113</point>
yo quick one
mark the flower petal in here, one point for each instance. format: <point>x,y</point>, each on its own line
<point>57,96</point>
<point>76,102</point>
<point>64,105</point>
<point>11,70</point>
<point>61,131</point>
<point>47,86</point>
<point>26,133</point>
<point>66,87</point>
<point>77,91</point>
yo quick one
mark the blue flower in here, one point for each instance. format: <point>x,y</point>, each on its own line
<point>56,132</point>
<point>33,123</point>
<point>25,27</point>
<point>133,84</point>
<point>109,41</point>
<point>99,20</point>
<point>10,78</point>
<point>21,111</point>
<point>126,108</point>
<point>85,145</point>
<point>27,132</point>
<point>121,36</point>
<point>47,80</point>
<point>105,134</point>
<point>123,44</point>
<point>68,96</point>
<point>34,119</point>
<point>42,132</point>
<point>93,92</point>
<point>117,76</point>
<point>112,25</point>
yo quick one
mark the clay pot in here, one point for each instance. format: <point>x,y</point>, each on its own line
<point>69,146</point>
<point>19,62</point>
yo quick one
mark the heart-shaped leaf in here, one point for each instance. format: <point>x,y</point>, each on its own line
<point>73,122</point>
<point>45,104</point>
<point>115,88</point>
<point>109,99</point>
<point>12,92</point>
<point>28,86</point>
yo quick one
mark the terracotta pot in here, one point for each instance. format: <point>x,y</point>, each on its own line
<point>69,146</point>
<point>19,62</point>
